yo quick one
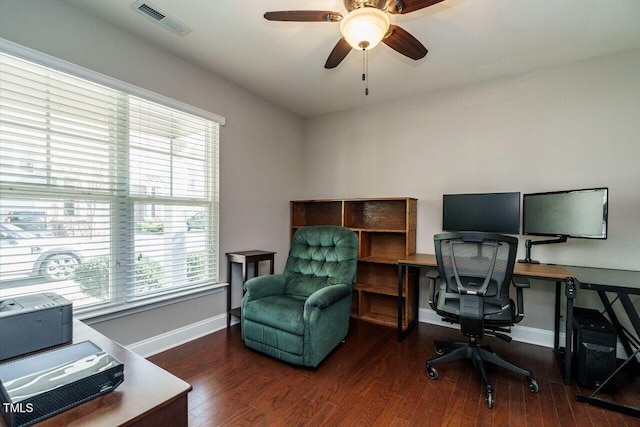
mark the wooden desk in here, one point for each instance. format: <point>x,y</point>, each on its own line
<point>149,395</point>
<point>550,272</point>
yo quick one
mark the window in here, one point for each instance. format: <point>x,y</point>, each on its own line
<point>105,197</point>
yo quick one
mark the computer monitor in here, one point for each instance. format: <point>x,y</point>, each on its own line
<point>484,212</point>
<point>574,213</point>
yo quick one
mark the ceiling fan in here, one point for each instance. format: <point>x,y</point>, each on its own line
<point>365,25</point>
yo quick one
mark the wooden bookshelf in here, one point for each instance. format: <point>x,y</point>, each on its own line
<point>386,229</point>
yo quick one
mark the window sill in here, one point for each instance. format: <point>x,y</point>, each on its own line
<point>103,314</point>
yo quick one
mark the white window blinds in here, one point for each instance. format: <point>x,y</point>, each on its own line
<point>105,198</point>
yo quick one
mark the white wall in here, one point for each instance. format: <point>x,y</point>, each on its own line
<point>567,127</point>
<point>261,145</point>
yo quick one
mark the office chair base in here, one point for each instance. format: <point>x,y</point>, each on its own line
<point>478,355</point>
<point>441,346</point>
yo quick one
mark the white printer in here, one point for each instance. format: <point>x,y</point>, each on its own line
<point>33,322</point>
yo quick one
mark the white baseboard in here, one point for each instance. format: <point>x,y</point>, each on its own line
<point>176,337</point>
<point>525,334</point>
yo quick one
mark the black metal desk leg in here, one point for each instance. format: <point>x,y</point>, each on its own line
<point>614,320</point>
<point>565,359</point>
<point>556,334</point>
<point>570,291</point>
<point>631,312</point>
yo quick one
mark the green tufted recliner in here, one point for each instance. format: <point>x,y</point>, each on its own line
<point>301,315</point>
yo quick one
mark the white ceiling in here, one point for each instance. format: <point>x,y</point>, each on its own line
<point>468,41</point>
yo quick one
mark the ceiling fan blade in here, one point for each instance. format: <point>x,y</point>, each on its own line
<point>339,52</point>
<point>404,43</point>
<point>303,16</point>
<point>413,5</point>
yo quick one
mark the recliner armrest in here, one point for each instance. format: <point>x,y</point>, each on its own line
<point>323,298</point>
<point>264,286</point>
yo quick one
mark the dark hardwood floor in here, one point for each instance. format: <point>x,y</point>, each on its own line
<point>372,379</point>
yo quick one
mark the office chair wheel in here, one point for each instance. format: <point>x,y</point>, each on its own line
<point>432,373</point>
<point>533,385</point>
<point>439,349</point>
<point>490,400</point>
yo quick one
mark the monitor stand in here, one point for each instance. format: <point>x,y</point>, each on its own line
<point>528,244</point>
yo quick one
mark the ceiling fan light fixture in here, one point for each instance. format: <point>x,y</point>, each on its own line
<point>365,27</point>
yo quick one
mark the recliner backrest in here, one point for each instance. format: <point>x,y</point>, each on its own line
<point>320,256</point>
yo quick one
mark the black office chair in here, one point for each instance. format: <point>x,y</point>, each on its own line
<point>476,270</point>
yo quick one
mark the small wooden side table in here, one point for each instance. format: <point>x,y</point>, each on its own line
<point>244,258</point>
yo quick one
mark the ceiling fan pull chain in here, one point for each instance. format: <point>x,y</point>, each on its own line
<point>364,52</point>
<point>366,89</point>
<point>365,70</point>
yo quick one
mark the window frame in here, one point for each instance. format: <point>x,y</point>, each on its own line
<point>120,306</point>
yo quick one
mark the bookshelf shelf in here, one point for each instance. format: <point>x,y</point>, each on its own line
<point>386,230</point>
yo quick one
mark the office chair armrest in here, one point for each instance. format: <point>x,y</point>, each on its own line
<point>324,297</point>
<point>264,286</point>
<point>520,283</point>
<point>432,275</point>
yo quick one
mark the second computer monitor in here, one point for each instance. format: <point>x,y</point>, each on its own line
<point>573,213</point>
<point>484,212</point>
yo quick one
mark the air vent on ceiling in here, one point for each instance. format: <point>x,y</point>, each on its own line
<point>156,14</point>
